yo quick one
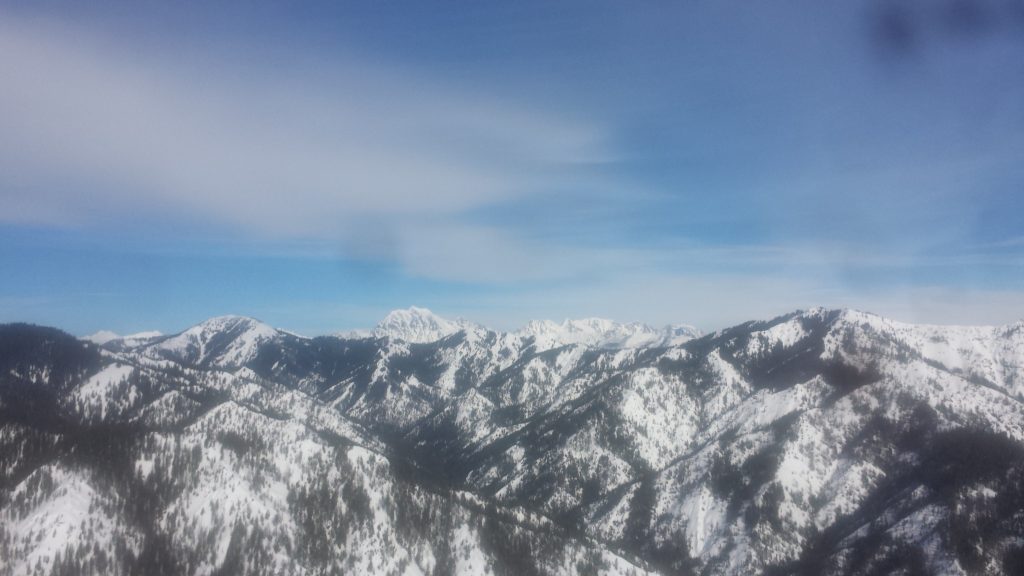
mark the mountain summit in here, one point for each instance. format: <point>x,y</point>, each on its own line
<point>225,341</point>
<point>417,325</point>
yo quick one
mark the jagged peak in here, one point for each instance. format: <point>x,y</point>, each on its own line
<point>591,323</point>
<point>417,324</point>
<point>604,333</point>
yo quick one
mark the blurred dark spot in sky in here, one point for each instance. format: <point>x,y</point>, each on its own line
<point>898,28</point>
<point>968,17</point>
<point>892,27</point>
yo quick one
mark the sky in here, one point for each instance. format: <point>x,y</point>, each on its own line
<point>315,165</point>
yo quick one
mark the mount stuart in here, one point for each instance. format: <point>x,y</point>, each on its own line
<point>819,442</point>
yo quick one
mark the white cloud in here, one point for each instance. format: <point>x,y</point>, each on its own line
<point>387,162</point>
<point>94,130</point>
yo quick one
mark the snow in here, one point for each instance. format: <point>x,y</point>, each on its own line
<point>785,335</point>
<point>143,468</point>
<point>104,336</point>
<point>101,337</point>
<point>99,383</point>
<point>603,333</point>
<point>663,422</point>
<point>355,334</point>
<point>851,481</point>
<point>590,408</point>
<point>106,392</point>
<point>72,514</point>
<point>417,325</point>
<point>705,517</point>
<point>994,354</point>
<point>202,343</point>
<point>420,325</point>
<point>470,561</point>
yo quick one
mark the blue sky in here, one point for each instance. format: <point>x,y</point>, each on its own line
<point>317,164</point>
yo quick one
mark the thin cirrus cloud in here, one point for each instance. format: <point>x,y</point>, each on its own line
<point>91,131</point>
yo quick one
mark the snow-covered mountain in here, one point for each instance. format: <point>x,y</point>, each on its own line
<point>417,325</point>
<point>601,333</point>
<point>819,442</point>
<point>106,336</point>
<point>420,325</point>
<point>224,341</point>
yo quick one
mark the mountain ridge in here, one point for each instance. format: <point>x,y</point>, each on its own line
<point>420,325</point>
<point>819,442</point>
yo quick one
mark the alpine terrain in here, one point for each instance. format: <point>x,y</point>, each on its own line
<point>819,442</point>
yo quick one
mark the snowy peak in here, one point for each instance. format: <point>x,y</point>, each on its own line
<point>676,334</point>
<point>223,341</point>
<point>417,325</point>
<point>603,333</point>
<point>420,325</point>
<point>231,323</point>
<point>102,337</point>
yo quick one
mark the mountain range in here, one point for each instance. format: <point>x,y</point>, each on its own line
<point>818,442</point>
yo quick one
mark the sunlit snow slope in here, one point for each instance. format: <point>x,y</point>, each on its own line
<point>820,442</point>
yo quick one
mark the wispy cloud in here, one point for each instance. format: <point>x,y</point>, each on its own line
<point>697,177</point>
<point>94,130</point>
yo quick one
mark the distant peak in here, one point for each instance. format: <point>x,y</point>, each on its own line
<point>592,323</point>
<point>233,327</point>
<point>417,325</point>
<point>604,333</point>
<point>226,341</point>
<point>102,337</point>
<point>234,324</point>
<point>105,336</point>
<point>838,314</point>
<point>409,313</point>
<point>230,319</point>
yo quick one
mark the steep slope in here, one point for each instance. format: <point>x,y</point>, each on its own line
<point>152,468</point>
<point>819,442</point>
<point>827,443</point>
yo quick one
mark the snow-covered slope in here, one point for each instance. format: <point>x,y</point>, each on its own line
<point>217,472</point>
<point>819,442</point>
